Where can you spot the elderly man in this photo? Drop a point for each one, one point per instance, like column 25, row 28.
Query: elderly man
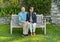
column 22, row 21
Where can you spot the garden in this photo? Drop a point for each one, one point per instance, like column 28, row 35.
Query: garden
column 9, row 7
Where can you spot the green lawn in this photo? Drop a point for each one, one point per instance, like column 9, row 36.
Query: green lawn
column 53, row 35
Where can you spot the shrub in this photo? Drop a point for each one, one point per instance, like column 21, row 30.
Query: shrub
column 41, row 6
column 9, row 7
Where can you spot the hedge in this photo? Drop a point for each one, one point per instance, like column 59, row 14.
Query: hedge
column 41, row 6
column 8, row 7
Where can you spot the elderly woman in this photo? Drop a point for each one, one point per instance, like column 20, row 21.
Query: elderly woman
column 31, row 19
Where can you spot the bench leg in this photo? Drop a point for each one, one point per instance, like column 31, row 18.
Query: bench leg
column 45, row 30
column 42, row 29
column 11, row 30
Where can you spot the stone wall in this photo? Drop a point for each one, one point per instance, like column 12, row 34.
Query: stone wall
column 55, row 13
column 4, row 20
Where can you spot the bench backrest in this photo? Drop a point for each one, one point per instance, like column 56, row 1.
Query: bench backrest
column 39, row 19
column 15, row 21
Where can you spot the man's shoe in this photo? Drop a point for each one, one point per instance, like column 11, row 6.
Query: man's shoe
column 25, row 35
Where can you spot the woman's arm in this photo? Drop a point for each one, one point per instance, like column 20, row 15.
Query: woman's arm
column 35, row 18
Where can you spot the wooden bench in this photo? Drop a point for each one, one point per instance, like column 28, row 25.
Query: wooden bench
column 41, row 22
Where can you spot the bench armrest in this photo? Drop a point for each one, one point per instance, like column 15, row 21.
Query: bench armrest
column 44, row 21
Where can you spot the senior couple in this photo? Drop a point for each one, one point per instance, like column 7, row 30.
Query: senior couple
column 28, row 21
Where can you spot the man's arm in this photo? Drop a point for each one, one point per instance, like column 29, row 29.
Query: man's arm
column 20, row 17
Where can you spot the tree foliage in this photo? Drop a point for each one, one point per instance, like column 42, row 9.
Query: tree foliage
column 41, row 6
column 8, row 7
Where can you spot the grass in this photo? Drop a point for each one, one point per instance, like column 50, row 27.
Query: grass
column 53, row 35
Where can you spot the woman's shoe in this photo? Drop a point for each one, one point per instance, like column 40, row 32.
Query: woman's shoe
column 31, row 34
column 34, row 33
